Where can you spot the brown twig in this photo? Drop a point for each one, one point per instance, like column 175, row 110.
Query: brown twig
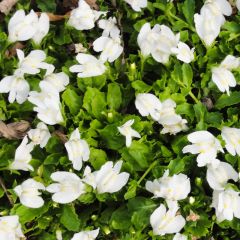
column 6, row 192
column 15, row 130
column 61, row 136
column 54, row 18
column 6, row 6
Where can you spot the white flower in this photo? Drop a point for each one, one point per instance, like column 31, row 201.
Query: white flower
column 218, row 177
column 206, row 145
column 42, row 28
column 86, row 235
column 17, row 87
column 28, row 193
column 110, row 48
column 230, row 62
column 175, row 128
column 223, row 78
column 78, row 150
column 10, row 228
column 23, row 156
column 166, row 42
column 179, row 236
column 127, row 131
column 184, row 53
column 89, row 177
column 176, row 187
column 167, row 114
column 83, row 17
column 109, row 27
column 238, row 5
column 148, row 104
column 137, row 4
column 22, row 27
column 40, row 135
column 226, row 204
column 108, row 178
column 59, row 234
column 54, row 82
column 32, row 63
column 207, row 26
column 89, row 66
column 166, row 222
column 210, row 19
column 158, row 41
column 68, row 188
column 147, row 38
column 48, row 106
column 231, row 136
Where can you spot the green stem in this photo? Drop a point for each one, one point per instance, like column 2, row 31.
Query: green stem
column 193, row 97
column 147, row 171
column 4, row 168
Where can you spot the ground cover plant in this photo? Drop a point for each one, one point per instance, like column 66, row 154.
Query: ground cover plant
column 119, row 119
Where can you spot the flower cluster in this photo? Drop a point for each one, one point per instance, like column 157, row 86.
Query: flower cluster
column 162, row 112
column 161, row 42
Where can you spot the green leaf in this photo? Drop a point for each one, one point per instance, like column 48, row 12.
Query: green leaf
column 46, row 6
column 114, row 96
column 111, row 137
column 226, row 101
column 189, row 10
column 26, row 214
column 121, row 219
column 69, row 218
column 97, row 158
column 94, row 102
column 232, row 27
column 72, row 100
column 187, row 75
column 141, row 86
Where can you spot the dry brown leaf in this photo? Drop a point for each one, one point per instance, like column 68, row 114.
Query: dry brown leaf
column 61, row 136
column 54, row 17
column 92, row 4
column 192, row 216
column 13, row 50
column 6, row 6
column 15, row 130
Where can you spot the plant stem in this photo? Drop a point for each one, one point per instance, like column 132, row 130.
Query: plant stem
column 5, row 191
column 147, row 171
column 193, row 97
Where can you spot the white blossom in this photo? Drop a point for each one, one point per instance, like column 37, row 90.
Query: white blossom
column 226, row 204
column 210, row 19
column 148, row 104
column 206, row 146
column 222, row 76
column 89, row 66
column 231, row 136
column 10, row 228
column 33, row 62
column 166, row 222
column 17, row 87
column 68, row 188
column 78, row 150
column 108, row 178
column 158, row 42
column 86, row 235
column 137, row 4
column 175, row 128
column 217, row 177
column 110, row 48
column 48, row 106
column 176, row 187
column 109, row 27
column 127, row 131
column 42, row 28
column 54, row 82
column 40, row 135
column 179, row 236
column 183, row 52
column 83, row 17
column 28, row 193
column 23, row 156
column 22, row 27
